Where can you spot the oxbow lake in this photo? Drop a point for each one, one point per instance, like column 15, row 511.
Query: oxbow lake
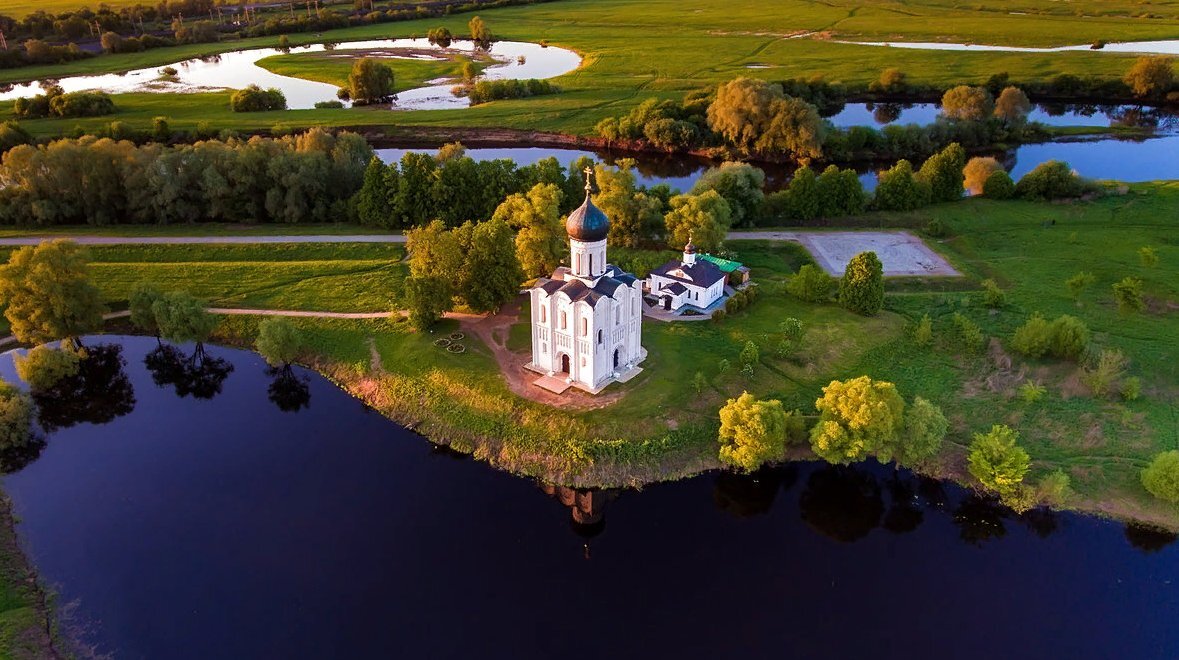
column 216, row 514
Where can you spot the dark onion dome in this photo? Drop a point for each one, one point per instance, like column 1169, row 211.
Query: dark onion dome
column 689, row 248
column 587, row 223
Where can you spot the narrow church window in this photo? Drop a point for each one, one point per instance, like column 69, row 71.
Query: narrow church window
column 599, row 337
column 584, row 327
column 542, row 314
column 578, row 262
column 564, row 319
column 591, row 262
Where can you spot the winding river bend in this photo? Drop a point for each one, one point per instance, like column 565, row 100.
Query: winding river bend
column 209, row 512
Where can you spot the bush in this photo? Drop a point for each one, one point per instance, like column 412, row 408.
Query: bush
column 1031, row 392
column 993, row 296
column 943, row 172
column 279, row 341
column 328, row 105
column 998, row 186
column 1055, row 489
column 1066, row 338
column 495, row 90
column 255, row 99
column 46, row 365
column 862, row 288
column 1106, row 372
column 970, row 334
column 977, row 171
column 16, row 417
column 1161, row 477
column 1033, row 338
column 1128, row 294
column 923, row 333
column 718, row 315
column 898, row 190
column 967, row 103
column 1051, row 179
column 997, row 461
column 55, row 103
column 1131, row 388
column 811, row 284
column 925, row 430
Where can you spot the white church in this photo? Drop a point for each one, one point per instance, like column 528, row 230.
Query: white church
column 587, row 319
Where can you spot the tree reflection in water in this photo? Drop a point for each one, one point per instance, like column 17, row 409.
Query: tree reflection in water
column 904, row 512
column 199, row 375
column 288, row 391
column 98, row 393
column 887, row 113
column 1149, row 539
column 14, row 459
column 980, row 519
column 746, row 495
column 1043, row 521
column 842, row 502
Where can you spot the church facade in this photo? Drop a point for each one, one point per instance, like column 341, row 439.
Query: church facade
column 687, row 281
column 587, row 318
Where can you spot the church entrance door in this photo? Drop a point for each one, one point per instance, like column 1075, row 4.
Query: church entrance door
column 666, row 302
column 564, row 363
column 617, row 357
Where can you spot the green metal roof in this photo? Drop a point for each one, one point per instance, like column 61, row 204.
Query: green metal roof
column 725, row 265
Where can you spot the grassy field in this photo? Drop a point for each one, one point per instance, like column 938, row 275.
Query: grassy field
column 333, row 67
column 633, row 50
column 196, row 229
column 668, row 430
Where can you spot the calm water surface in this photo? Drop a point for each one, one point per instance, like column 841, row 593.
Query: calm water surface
column 198, row 518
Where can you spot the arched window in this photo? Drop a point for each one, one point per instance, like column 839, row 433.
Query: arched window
column 543, row 315
column 584, row 327
column 564, row 320
column 599, row 337
column 591, row 263
column 577, row 263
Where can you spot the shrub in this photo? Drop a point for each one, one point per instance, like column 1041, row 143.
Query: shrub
column 1131, row 388
column 718, row 315
column 749, row 355
column 279, row 341
column 1031, row 392
column 1070, row 337
column 1128, row 294
column 1150, row 76
column 255, row 99
column 1055, row 489
column 997, row 461
column 494, row 90
column 1078, row 283
column 998, row 186
column 752, row 432
column 1161, row 477
column 16, row 417
column 1106, row 371
column 937, row 228
column 862, row 288
column 1051, row 179
column 1148, row 256
column 1034, row 338
column 923, row 333
column 898, row 190
column 976, row 172
column 925, row 430
column 993, row 296
column 699, row 382
column 811, row 284
column 328, row 105
column 943, row 172
column 970, row 334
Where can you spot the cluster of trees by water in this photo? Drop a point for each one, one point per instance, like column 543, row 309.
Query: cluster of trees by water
column 48, row 38
column 58, row 104
column 784, row 120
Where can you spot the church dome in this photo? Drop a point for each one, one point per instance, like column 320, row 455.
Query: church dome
column 587, row 223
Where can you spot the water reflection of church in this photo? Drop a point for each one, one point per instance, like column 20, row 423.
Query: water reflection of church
column 586, row 506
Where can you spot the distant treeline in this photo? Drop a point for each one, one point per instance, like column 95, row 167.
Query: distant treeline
column 46, row 38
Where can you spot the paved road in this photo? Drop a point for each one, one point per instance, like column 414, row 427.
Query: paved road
column 207, row 240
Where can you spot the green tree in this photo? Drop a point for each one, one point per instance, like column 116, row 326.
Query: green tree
column 858, row 418
column 862, row 288
column 1033, row 338
column 998, row 186
column 840, row 193
column 1150, row 76
column 428, row 298
column 540, row 236
column 892, row 80
column 434, row 251
column 480, row 33
column 811, row 284
column 182, row 318
column 141, row 301
column 977, row 170
column 279, row 341
column 943, row 172
column 752, row 432
column 749, row 355
column 46, row 365
column 491, row 274
column 699, row 382
column 48, row 294
column 740, row 184
column 1161, row 477
column 1051, row 179
column 897, row 189
column 997, row 461
column 802, row 195
column 16, row 417
column 993, row 295
column 704, row 219
column 1128, row 294
column 373, row 206
column 967, row 103
column 370, row 81
column 635, row 216
column 925, row 430
column 1013, row 105
column 923, row 333
column 792, row 332
column 758, row 118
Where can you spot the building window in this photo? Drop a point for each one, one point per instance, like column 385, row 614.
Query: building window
column 578, row 263
column 591, row 263
column 599, row 337
column 583, row 361
column 564, row 320
column 543, row 315
column 584, row 327
column 544, row 348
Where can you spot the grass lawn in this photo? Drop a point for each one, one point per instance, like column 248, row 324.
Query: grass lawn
column 333, row 67
column 201, row 229
column 633, row 51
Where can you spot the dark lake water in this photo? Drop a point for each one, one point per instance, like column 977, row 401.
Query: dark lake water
column 200, row 519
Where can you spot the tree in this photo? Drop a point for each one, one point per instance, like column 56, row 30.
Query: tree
column 491, row 273
column 279, row 341
column 898, row 190
column 999, row 186
column 141, row 301
column 967, row 103
column 1051, row 179
column 740, row 184
column 749, row 355
column 811, row 284
column 44, row 366
column 253, row 98
column 923, row 333
column 997, row 461
column 704, row 219
column 1033, row 338
column 428, row 298
column 757, row 117
column 891, row 80
column 480, row 33
column 16, row 418
column 1013, row 105
column 858, row 418
column 540, row 236
column 752, row 432
column 440, row 36
column 1077, row 284
column 111, row 42
column 1128, row 294
column 1150, row 76
column 182, row 318
column 976, row 172
column 373, row 206
column 1161, row 477
column 699, row 382
column 434, row 251
column 792, row 332
column 635, row 216
column 925, row 429
column 862, row 288
column 48, row 294
column 370, row 81
column 802, row 195
column 840, row 193
column 943, row 172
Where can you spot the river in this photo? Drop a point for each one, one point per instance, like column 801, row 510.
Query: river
column 198, row 518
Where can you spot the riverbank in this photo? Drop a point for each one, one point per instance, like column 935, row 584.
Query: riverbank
column 27, row 627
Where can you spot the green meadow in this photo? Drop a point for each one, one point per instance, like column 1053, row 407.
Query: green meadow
column 634, row 50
